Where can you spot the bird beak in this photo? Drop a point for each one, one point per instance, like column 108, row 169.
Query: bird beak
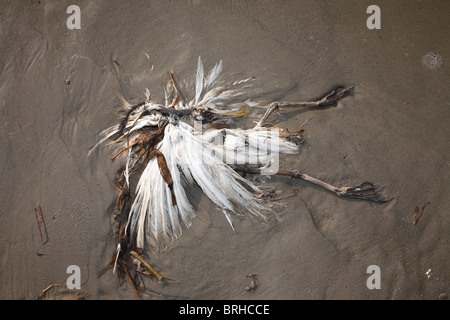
column 225, row 114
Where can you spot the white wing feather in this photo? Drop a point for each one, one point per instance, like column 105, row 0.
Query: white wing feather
column 199, row 81
column 191, row 158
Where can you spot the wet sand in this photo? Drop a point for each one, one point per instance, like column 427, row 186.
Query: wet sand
column 57, row 93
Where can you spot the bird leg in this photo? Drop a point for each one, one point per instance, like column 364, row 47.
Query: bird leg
column 363, row 191
column 177, row 93
column 332, row 98
column 174, row 87
column 124, row 149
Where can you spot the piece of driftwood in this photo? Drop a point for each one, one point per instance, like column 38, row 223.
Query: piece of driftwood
column 41, row 224
column 134, row 254
column 418, row 213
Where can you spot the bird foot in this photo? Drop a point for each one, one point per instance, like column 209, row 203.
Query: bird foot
column 293, row 136
column 363, row 191
column 335, row 95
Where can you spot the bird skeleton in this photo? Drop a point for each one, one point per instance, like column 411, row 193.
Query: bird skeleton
column 173, row 147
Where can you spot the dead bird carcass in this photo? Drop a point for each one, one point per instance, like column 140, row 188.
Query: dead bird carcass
column 173, row 146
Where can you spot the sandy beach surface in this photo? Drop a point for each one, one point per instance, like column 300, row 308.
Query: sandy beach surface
column 57, row 93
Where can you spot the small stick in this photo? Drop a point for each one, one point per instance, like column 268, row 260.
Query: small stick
column 176, row 90
column 418, row 213
column 281, row 198
column 41, row 224
column 42, row 295
column 46, row 289
column 124, row 149
column 148, row 273
column 149, row 267
column 132, row 283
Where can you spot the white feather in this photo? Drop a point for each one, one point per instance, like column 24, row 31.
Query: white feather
column 105, row 135
column 226, row 188
column 241, row 81
column 192, row 158
column 213, row 75
column 152, row 215
column 117, row 257
column 127, row 168
column 199, row 81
